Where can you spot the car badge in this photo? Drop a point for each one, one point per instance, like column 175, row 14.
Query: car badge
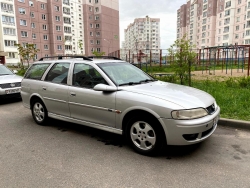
column 12, row 85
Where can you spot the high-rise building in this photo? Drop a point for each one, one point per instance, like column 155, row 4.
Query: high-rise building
column 143, row 35
column 210, row 23
column 58, row 27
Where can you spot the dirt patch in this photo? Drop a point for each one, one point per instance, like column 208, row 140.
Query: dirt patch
column 217, row 74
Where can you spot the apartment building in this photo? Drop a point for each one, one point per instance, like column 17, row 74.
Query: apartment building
column 58, row 27
column 143, row 35
column 210, row 23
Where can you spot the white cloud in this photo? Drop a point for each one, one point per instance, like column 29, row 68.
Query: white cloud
column 166, row 10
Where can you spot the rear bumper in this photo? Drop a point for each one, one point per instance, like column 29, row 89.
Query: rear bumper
column 186, row 132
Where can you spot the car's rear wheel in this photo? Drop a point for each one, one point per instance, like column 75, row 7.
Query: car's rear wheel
column 145, row 135
column 39, row 112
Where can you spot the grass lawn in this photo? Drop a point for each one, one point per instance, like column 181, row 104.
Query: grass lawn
column 231, row 94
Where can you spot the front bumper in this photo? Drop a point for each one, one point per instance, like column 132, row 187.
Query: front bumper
column 186, row 132
column 10, row 92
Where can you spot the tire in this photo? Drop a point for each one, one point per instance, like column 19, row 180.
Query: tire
column 39, row 112
column 145, row 135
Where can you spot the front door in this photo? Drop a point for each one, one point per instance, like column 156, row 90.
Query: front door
column 87, row 104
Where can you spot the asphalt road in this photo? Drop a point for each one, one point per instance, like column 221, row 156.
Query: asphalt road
column 68, row 155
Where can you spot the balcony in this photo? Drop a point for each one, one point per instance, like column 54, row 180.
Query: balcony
column 64, row 12
column 7, row 10
column 9, row 23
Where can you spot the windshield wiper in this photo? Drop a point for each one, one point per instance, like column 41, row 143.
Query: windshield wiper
column 129, row 83
column 4, row 74
column 147, row 80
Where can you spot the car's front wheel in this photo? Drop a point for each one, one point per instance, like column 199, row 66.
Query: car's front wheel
column 39, row 112
column 145, row 135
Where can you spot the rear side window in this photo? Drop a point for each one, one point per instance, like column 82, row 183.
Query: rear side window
column 58, row 73
column 36, row 71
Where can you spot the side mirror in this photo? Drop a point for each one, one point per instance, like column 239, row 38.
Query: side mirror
column 103, row 87
column 15, row 71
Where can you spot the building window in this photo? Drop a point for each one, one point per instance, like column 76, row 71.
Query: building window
column 59, row 38
column 96, row 9
column 22, row 10
column 96, row 17
column 57, row 18
column 43, row 17
column 24, row 34
column 91, row 25
column 227, row 12
column 33, row 35
column 57, row 8
column 96, row 1
column 58, row 28
column 225, row 37
column 91, row 33
column 228, row 4
column 97, row 25
column 239, row 2
column 11, row 55
column 98, row 34
column 23, row 22
column 9, row 43
column 31, row 3
column 59, row 47
column 237, row 19
column 91, row 41
column 8, row 20
column 22, row 1
column 32, row 14
column 237, row 27
column 33, row 25
column 42, row 6
column 67, row 29
column 9, row 31
column 98, row 42
column 44, row 27
column 46, row 47
column 45, row 37
column 90, row 8
column 98, row 49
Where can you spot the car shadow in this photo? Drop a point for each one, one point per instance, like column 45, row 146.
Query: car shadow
column 113, row 139
column 4, row 101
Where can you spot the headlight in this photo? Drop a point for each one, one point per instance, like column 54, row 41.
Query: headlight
column 189, row 114
column 215, row 105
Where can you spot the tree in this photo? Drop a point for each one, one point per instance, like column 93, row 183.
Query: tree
column 80, row 45
column 27, row 53
column 98, row 54
column 184, row 58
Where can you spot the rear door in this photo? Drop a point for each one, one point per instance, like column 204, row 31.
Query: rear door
column 54, row 89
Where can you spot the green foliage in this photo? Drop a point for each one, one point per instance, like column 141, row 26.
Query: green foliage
column 184, row 57
column 80, row 44
column 27, row 52
column 98, row 54
column 232, row 95
column 21, row 72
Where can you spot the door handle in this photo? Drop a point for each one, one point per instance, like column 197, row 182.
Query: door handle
column 44, row 88
column 72, row 94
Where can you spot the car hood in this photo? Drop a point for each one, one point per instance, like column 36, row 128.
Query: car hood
column 4, row 79
column 183, row 96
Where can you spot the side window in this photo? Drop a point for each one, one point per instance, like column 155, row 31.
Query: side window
column 58, row 73
column 36, row 71
column 86, row 76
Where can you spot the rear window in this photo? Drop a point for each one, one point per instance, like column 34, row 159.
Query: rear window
column 36, row 71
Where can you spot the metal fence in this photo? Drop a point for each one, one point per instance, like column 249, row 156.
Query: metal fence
column 225, row 58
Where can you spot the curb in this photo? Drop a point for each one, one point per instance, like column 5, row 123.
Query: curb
column 238, row 124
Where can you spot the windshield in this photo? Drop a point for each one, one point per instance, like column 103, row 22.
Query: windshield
column 5, row 71
column 124, row 73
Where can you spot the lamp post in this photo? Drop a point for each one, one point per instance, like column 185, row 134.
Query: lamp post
column 108, row 45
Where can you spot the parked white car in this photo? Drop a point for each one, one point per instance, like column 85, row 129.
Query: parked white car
column 115, row 96
column 10, row 84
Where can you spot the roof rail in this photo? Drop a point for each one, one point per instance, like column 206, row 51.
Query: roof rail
column 61, row 57
column 103, row 57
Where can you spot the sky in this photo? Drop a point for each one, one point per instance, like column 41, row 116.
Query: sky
column 166, row 10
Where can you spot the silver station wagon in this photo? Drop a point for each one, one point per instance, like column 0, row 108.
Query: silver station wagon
column 115, row 96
